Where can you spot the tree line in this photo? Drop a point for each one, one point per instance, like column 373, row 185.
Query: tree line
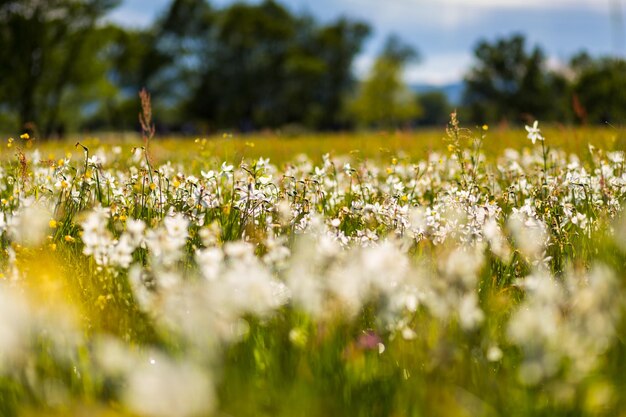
column 65, row 67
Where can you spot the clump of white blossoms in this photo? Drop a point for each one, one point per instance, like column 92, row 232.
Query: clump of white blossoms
column 100, row 243
column 166, row 242
column 573, row 321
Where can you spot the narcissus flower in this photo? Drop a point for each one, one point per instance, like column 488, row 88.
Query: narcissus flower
column 534, row 133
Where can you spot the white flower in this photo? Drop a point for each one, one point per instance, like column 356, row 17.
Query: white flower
column 470, row 314
column 30, row 224
column 534, row 133
column 208, row 174
column 122, row 253
column 210, row 262
column 161, row 387
column 135, row 231
column 494, row 354
column 176, row 226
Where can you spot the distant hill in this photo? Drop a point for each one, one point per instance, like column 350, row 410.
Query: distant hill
column 453, row 91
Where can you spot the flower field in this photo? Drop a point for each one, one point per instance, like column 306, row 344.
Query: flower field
column 469, row 277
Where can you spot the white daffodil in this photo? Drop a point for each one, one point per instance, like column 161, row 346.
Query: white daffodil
column 534, row 133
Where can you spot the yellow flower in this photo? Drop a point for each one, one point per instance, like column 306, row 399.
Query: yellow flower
column 53, row 224
column 25, row 136
column 485, row 127
column 153, row 186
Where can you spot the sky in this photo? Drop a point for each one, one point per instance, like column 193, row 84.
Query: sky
column 446, row 31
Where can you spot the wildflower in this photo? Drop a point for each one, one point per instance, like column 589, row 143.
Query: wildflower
column 210, row 262
column 207, row 175
column 534, row 133
column 494, row 354
column 226, row 167
column 121, row 252
column 135, row 230
column 28, row 225
column 61, row 184
column 160, row 387
column 408, row 334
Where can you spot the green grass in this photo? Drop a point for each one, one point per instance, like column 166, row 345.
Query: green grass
column 85, row 335
column 367, row 145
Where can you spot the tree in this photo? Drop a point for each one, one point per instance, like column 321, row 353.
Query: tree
column 180, row 45
column 245, row 66
column 337, row 44
column 45, row 47
column 598, row 89
column 383, row 99
column 508, row 82
column 435, row 107
column 265, row 67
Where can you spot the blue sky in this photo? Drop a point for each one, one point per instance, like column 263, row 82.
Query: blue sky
column 445, row 31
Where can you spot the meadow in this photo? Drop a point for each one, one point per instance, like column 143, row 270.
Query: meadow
column 452, row 272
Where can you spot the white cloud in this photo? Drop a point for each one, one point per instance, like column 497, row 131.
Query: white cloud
column 528, row 4
column 439, row 69
column 130, row 18
column 137, row 13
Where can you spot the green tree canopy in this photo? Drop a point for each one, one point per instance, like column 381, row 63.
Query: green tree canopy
column 384, row 100
column 49, row 51
column 265, row 67
column 599, row 89
column 435, row 107
column 510, row 82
